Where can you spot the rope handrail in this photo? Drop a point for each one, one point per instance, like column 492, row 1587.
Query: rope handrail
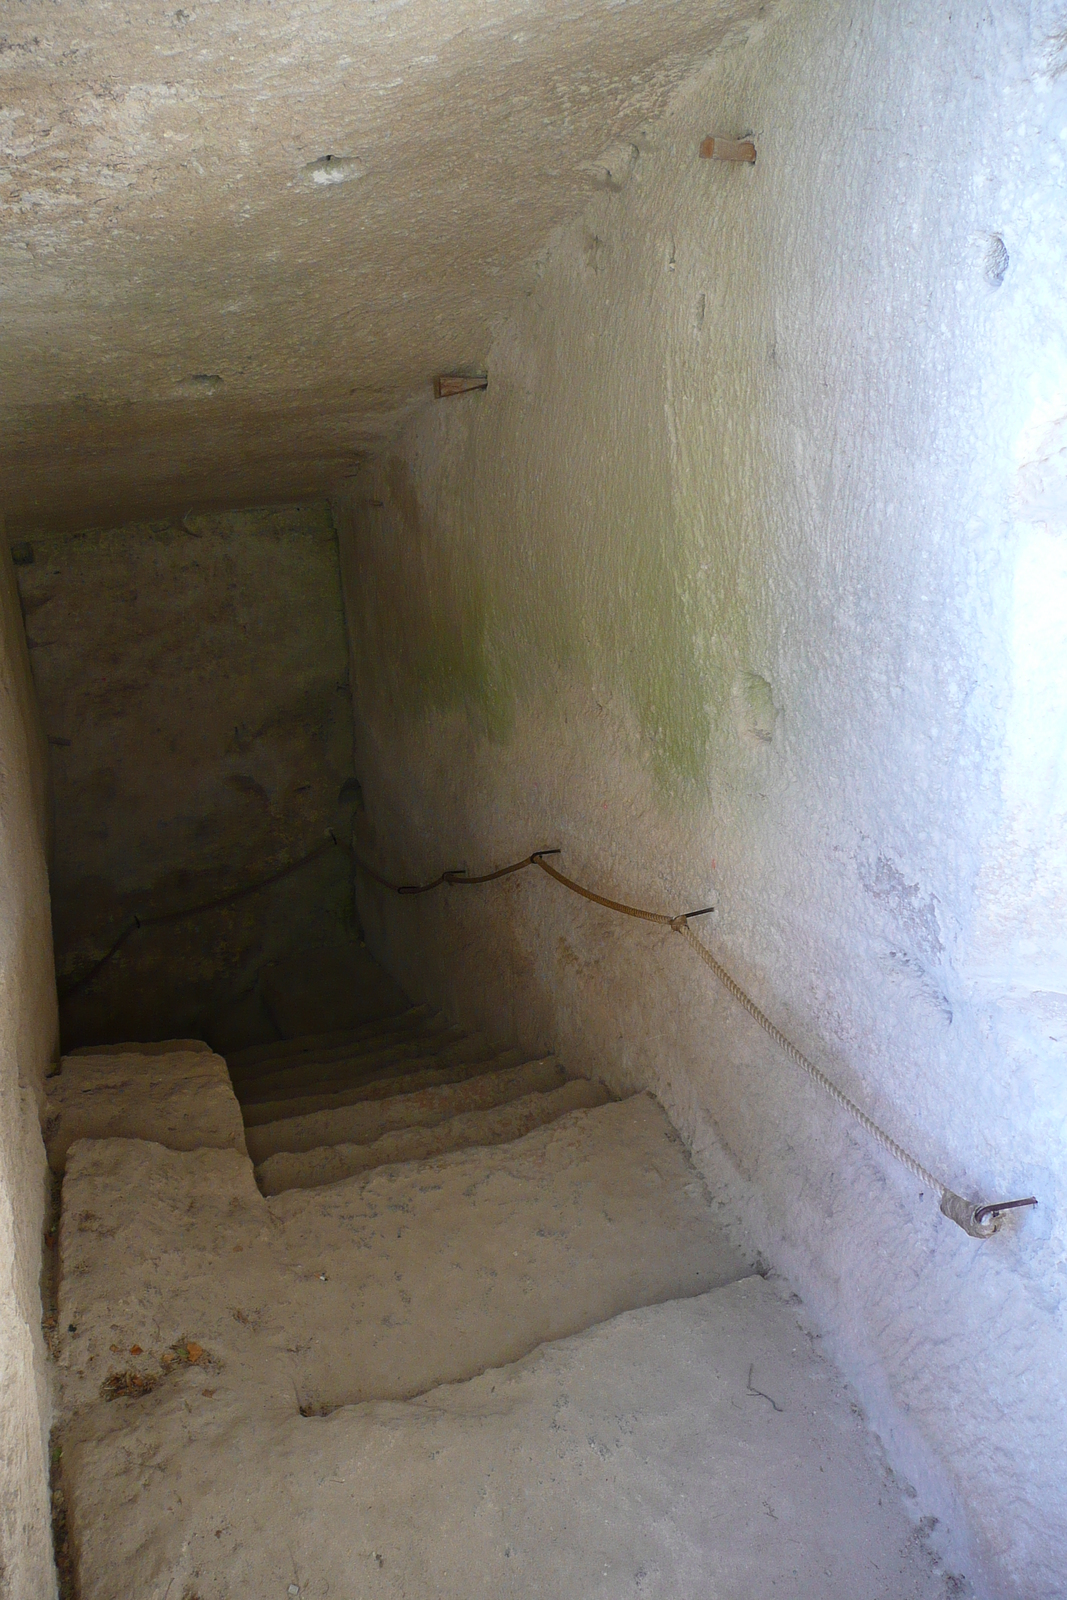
column 137, row 921
column 977, row 1218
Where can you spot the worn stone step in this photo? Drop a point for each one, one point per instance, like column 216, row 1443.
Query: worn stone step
column 397, row 1047
column 382, row 1285
column 366, row 1120
column 405, row 1082
column 318, row 1077
column 153, row 1047
column 246, row 1060
column 280, row 1049
column 428, row 1273
column 160, row 1251
column 373, row 1038
column 700, row 1447
column 499, row 1124
column 181, row 1098
column 454, row 1049
column 426, row 1036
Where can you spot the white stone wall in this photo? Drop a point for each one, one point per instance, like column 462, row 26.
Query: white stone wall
column 744, row 582
column 28, row 1040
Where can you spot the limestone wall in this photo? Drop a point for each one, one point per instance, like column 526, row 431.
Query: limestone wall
column 743, row 584
column 193, row 682
column 28, row 1042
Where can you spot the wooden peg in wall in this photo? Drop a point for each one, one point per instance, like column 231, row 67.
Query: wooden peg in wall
column 450, row 383
column 728, row 150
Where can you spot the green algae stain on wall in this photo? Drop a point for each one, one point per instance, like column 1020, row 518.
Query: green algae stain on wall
column 446, row 623
column 422, row 636
column 655, row 648
column 498, row 580
column 453, row 663
column 634, row 597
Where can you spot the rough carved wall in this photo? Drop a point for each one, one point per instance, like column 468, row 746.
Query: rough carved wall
column 731, row 586
column 238, row 242
column 194, row 686
column 28, row 1044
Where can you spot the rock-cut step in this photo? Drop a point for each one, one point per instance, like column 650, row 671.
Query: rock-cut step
column 162, row 1252
column 253, row 1071
column 429, row 1272
column 499, row 1124
column 465, row 1058
column 316, row 1074
column 363, row 1116
column 323, row 1076
column 701, row 1447
column 382, row 1285
column 531, row 1369
column 177, row 1093
column 285, row 1051
column 400, row 1078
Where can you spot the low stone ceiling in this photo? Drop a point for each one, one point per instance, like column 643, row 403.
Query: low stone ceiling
column 197, row 308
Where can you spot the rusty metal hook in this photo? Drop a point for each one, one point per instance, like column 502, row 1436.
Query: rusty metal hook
column 993, row 1208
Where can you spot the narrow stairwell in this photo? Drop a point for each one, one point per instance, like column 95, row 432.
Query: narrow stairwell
column 394, row 1313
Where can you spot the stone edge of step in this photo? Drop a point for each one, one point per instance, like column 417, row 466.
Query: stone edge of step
column 279, row 1049
column 383, row 1086
column 489, row 1071
column 449, row 1127
column 144, row 1047
column 318, row 1069
column 781, row 1296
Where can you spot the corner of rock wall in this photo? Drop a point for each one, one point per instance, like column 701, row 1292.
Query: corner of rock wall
column 28, row 1042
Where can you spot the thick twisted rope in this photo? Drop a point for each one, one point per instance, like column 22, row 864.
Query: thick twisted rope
column 800, row 1060
column 974, row 1218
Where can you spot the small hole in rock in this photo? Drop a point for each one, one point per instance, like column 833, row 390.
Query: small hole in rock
column 333, row 169
column 997, row 261
column 200, row 385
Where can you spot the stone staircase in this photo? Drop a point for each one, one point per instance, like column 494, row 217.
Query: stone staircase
column 316, row 1111
column 392, row 1313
